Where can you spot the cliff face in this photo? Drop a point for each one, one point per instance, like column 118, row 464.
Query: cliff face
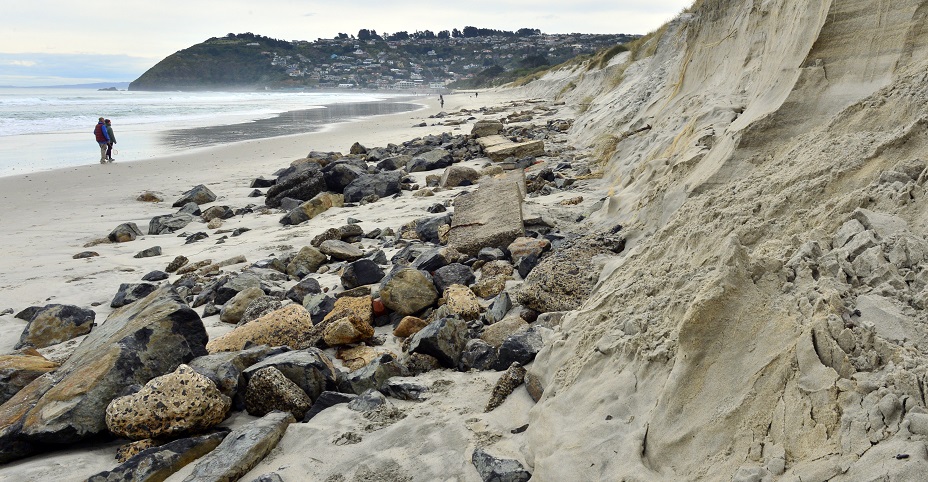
column 767, row 162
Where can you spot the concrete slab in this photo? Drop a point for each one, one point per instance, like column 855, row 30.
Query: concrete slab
column 491, row 216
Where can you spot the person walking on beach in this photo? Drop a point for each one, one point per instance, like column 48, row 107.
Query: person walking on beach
column 103, row 139
column 441, row 100
column 112, row 140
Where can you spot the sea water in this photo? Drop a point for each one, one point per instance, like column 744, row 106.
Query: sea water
column 49, row 128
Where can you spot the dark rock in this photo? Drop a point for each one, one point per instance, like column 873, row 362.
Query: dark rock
column 478, row 355
column 242, row 449
column 403, row 389
column 435, row 258
column 239, row 232
column 498, row 309
column 289, row 204
column 256, row 193
column 507, row 383
column 195, row 237
column 269, row 390
column 526, row 264
column 443, row 339
column 53, row 324
column 368, row 401
column 220, row 212
column 177, row 264
column 528, row 314
column 394, row 163
column 302, row 182
column 519, row 347
column 17, row 371
column 160, row 462
column 156, row 276
column 357, row 149
column 225, row 370
column 492, row 469
column 169, row 223
column 377, row 256
column 453, row 274
column 427, row 228
column 326, row 400
column 85, row 255
column 131, row 292
column 437, row 208
column 149, row 253
column 190, row 208
column 200, row 194
column 27, row 313
column 306, row 262
column 361, row 272
column 374, row 374
column 429, row 161
column 491, row 254
column 124, row 232
column 311, row 370
column 408, row 291
column 356, row 292
column 210, row 309
column 319, row 305
column 272, row 477
column 262, row 183
column 381, row 185
column 306, row 286
column 339, row 175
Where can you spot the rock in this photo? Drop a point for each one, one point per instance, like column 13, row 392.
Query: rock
column 478, row 355
column 359, row 307
column 492, row 469
column 160, row 462
column 408, row 326
column 491, row 216
column 357, row 148
column 453, row 274
column 319, row 204
column 319, row 306
column 307, row 261
column 195, row 237
column 200, row 194
column 217, row 212
column 403, row 388
column 429, row 161
column 53, row 324
column 533, row 386
column 233, row 309
column 339, row 175
column 368, row 401
column 408, row 291
column 496, row 268
column 460, row 301
column 17, row 371
column 302, row 182
column 85, row 255
column 125, row 232
column 497, row 333
column 190, row 208
column 290, row 325
column 149, row 197
column 182, row 402
column 498, row 148
column 428, row 229
column 375, row 374
column 226, row 370
column 360, row 273
column 356, row 357
column 131, row 292
column 262, row 183
column 347, row 330
column 272, row 477
column 526, row 264
column 178, row 263
column 136, row 343
column 311, row 369
column 155, row 275
column 149, row 253
column 443, row 339
column 507, row 383
column 210, row 309
column 524, row 246
column 259, row 307
column 490, row 287
column 381, row 185
column 242, row 449
column 393, row 163
column 519, row 347
column 131, row 449
column 341, row 250
column 486, row 127
column 169, row 223
column 435, row 258
column 269, row 390
column 491, row 254
column 326, row 400
column 563, row 279
column 306, row 286
column 498, row 309
column 455, row 176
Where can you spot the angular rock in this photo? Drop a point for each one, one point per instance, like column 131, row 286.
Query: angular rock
column 347, row 330
column 478, row 355
column 200, row 194
column 435, row 258
column 403, row 389
column 339, row 175
column 269, row 390
column 460, row 301
column 491, row 254
column 178, row 263
column 429, row 161
column 259, row 307
column 360, row 273
column 179, row 403
column 375, row 374
column 453, row 274
column 149, row 197
column 507, row 383
column 17, row 371
column 497, row 333
column 341, row 250
column 492, row 469
column 85, row 255
column 307, row 261
column 124, row 232
column 491, row 216
column 290, row 326
column 302, row 182
column 498, row 309
column 359, row 307
column 408, row 291
column 136, row 343
column 312, row 370
column 131, row 292
column 217, row 212
column 233, row 310
column 149, row 253
column 489, row 287
column 155, row 275
column 520, row 347
column 262, row 183
column 408, row 326
column 226, row 369
column 53, row 324
column 169, row 223
column 524, row 246
column 190, row 208
column 306, row 286
column 486, row 127
column 242, row 449
column 326, row 400
column 455, row 176
column 492, row 269
column 563, row 279
column 443, row 339
column 429, row 229
column 319, row 204
column 381, row 185
column 498, row 148
column 158, row 463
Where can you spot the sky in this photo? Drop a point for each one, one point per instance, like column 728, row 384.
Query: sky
column 57, row 42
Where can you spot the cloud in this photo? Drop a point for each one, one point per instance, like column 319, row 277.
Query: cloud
column 23, row 63
column 32, row 69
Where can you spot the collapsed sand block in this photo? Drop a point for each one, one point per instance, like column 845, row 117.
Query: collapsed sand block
column 491, row 216
column 498, row 148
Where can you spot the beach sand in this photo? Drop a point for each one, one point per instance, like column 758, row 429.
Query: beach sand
column 48, row 217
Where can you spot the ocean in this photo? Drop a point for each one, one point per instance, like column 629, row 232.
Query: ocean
column 50, row 128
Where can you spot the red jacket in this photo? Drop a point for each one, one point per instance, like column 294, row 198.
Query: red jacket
column 100, row 133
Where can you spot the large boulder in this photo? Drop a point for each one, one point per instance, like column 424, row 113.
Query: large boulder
column 242, row 449
column 54, row 324
column 319, row 204
column 491, row 216
column 455, row 176
column 408, row 291
column 136, row 343
column 169, row 223
column 381, row 185
column 129, row 293
column 443, row 339
column 289, row 326
column 499, row 148
column 563, row 279
column 307, row 261
column 302, row 181
column 312, row 370
column 156, row 464
column 431, row 160
column 360, row 273
column 125, row 232
column 269, row 390
column 200, row 194
column 486, row 127
column 233, row 310
column 17, row 371
column 179, row 403
column 340, row 174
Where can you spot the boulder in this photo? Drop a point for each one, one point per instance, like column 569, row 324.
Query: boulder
column 341, row 250
column 507, row 383
column 53, row 324
column 435, row 258
column 403, row 388
column 478, row 355
column 524, row 246
column 290, row 325
column 306, row 286
column 428, row 229
column 259, row 307
column 217, row 212
column 157, row 463
column 491, row 254
column 233, row 309
column 453, row 274
column 381, row 185
column 408, row 326
column 307, row 261
column 340, row 174
column 360, row 273
column 311, row 369
column 498, row 148
column 269, row 390
column 493, row 469
column 491, row 216
column 262, row 183
column 408, row 291
column 368, row 401
column 148, row 253
column 493, row 269
column 497, row 333
column 520, row 347
column 136, row 343
column 498, row 309
column 178, row 263
column 302, row 181
column 489, row 287
column 461, row 302
column 327, row 400
column 359, row 306
column 563, row 279
column 191, row 208
column 131, row 292
column 443, row 339
column 394, row 163
column 155, row 275
column 319, row 204
column 225, row 369
column 455, row 176
column 182, row 402
column 200, row 194
column 431, row 160
column 17, row 371
column 374, row 374
column 169, row 223
column 242, row 449
column 486, row 127
column 347, row 330
column 125, row 232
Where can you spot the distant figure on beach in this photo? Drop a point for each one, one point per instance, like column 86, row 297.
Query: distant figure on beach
column 441, row 100
column 103, row 139
column 476, row 94
column 112, row 140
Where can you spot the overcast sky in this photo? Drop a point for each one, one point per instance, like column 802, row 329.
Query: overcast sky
column 50, row 42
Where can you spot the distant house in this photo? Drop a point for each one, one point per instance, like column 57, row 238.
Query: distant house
column 253, row 44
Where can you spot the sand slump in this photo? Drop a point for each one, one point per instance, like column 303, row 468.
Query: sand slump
column 770, row 318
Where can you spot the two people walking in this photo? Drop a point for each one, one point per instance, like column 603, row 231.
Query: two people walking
column 103, row 132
